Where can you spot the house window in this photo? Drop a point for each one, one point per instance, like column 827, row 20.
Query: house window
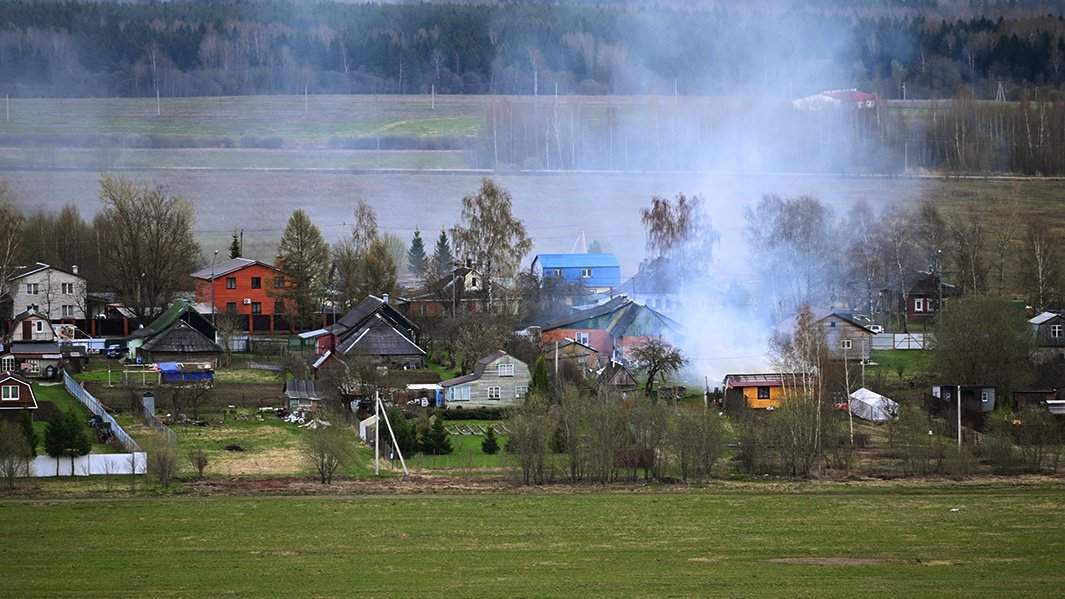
column 256, row 282
column 40, row 326
column 279, row 306
column 505, row 370
column 846, row 344
column 459, row 393
column 68, row 288
column 231, row 282
column 473, row 283
column 68, row 311
column 32, row 288
column 586, row 273
column 256, row 308
column 1055, row 331
column 231, row 307
column 985, row 396
column 581, row 337
column 520, row 391
column 279, row 282
column 918, row 304
column 763, row 393
column 32, row 367
column 558, row 273
column 9, row 393
column 7, row 363
column 495, row 392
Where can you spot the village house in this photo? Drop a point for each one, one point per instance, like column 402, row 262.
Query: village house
column 159, row 345
column 372, row 329
column 611, row 328
column 463, row 291
column 922, row 299
column 16, row 398
column 54, row 292
column 595, row 273
column 845, row 337
column 761, row 391
column 35, row 359
column 243, row 286
column 568, row 351
column 1048, row 330
column 32, row 326
column 498, row 380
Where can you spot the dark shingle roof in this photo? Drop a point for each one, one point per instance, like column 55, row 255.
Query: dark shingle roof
column 229, row 266
column 378, row 337
column 594, row 312
column 478, row 369
column 181, row 338
column 34, row 347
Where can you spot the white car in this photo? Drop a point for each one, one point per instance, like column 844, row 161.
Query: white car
column 876, row 329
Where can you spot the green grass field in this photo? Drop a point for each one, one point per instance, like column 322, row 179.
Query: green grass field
column 822, row 542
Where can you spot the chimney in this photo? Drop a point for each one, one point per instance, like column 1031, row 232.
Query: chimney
column 74, row 269
column 384, row 298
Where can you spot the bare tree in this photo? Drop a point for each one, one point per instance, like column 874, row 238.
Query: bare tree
column 15, row 454
column 1039, row 272
column 327, row 449
column 198, row 459
column 490, row 234
column 162, row 463
column 228, row 326
column 148, row 243
column 10, row 237
column 363, row 263
column 530, row 427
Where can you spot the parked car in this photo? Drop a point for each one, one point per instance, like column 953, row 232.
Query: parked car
column 115, row 352
column 875, row 328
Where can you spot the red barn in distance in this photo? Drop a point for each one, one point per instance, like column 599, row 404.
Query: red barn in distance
column 243, row 286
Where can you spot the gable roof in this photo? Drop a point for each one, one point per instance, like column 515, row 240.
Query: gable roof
column 620, row 315
column 576, row 261
column 848, row 318
column 229, row 266
column 603, row 309
column 30, row 314
column 768, row 379
column 181, row 338
column 301, row 389
column 1043, row 318
column 24, row 403
column 478, row 369
column 35, row 348
column 176, row 312
column 369, row 306
column 378, row 337
column 615, row 374
column 652, row 278
column 923, row 283
column 25, row 271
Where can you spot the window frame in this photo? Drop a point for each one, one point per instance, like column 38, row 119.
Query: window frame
column 7, row 363
column 279, row 282
column 231, row 282
column 846, row 344
column 4, row 395
column 918, row 304
column 231, row 307
column 33, row 289
column 505, row 369
column 581, row 337
column 520, row 391
column 256, row 282
column 39, row 326
column 498, row 392
column 759, row 395
column 586, row 273
column 256, row 307
column 1055, row 331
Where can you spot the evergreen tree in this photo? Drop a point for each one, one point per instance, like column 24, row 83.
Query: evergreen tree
column 437, row 441
column 490, row 444
column 55, row 438
column 442, row 256
column 540, row 382
column 417, row 260
column 406, row 435
column 77, row 442
column 305, row 257
column 234, row 246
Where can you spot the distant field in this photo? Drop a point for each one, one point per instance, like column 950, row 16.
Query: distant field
column 556, row 208
column 822, row 542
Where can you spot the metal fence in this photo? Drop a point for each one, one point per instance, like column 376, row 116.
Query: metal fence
column 98, row 409
column 902, row 341
column 157, row 425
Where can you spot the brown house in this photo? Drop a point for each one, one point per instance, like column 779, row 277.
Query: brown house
column 16, row 397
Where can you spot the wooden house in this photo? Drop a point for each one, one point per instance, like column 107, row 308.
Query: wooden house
column 16, row 398
column 372, row 329
column 925, row 290
column 1048, row 329
column 571, row 352
column 616, row 377
column 761, row 391
column 32, row 326
column 34, row 359
column 198, row 347
column 180, row 342
column 611, row 328
column 846, row 338
column 498, row 380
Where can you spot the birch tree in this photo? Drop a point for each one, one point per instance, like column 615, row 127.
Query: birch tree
column 1040, row 272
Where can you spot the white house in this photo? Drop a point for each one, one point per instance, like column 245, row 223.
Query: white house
column 498, row 380
column 51, row 291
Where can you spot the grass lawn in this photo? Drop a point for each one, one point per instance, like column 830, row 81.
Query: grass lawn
column 826, row 541
column 65, row 403
column 913, row 363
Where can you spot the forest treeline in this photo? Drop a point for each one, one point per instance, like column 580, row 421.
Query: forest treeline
column 228, row 47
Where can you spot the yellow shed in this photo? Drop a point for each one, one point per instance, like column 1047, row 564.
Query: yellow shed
column 761, row 391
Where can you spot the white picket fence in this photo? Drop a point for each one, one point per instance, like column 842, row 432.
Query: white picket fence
column 890, row 341
column 94, row 464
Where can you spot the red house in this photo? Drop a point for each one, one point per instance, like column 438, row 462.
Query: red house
column 16, row 397
column 611, row 328
column 243, row 286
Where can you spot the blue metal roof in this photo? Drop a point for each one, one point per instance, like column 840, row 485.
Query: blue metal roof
column 577, row 260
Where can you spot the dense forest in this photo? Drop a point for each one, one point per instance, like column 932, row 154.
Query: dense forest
column 896, row 48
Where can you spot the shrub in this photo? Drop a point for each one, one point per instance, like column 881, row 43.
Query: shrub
column 15, row 454
column 199, row 461
column 162, row 463
column 326, row 449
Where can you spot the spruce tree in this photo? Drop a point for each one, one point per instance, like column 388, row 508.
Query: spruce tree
column 540, row 382
column 234, row 246
column 437, row 440
column 489, row 444
column 417, row 261
column 442, row 256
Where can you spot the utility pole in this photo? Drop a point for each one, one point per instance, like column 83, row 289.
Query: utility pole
column 959, row 418
column 213, row 258
column 306, row 89
column 7, row 107
column 376, row 435
column 847, row 382
column 395, row 446
column 432, row 93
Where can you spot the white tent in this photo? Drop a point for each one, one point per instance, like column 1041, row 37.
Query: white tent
column 869, row 405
